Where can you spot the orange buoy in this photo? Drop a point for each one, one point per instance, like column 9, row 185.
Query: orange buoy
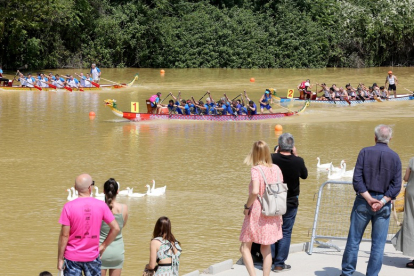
column 278, row 128
column 162, row 71
column 252, row 80
column 92, row 114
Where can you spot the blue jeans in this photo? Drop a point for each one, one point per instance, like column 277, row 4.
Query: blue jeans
column 361, row 215
column 282, row 246
column 92, row 268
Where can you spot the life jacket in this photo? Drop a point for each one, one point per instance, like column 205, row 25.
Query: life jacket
column 153, row 98
column 302, row 85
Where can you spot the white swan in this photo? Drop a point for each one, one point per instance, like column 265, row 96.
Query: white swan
column 335, row 175
column 322, row 166
column 124, row 192
column 346, row 173
column 157, row 190
column 131, row 194
column 337, row 169
column 100, row 196
column 74, row 193
column 155, row 193
column 70, row 197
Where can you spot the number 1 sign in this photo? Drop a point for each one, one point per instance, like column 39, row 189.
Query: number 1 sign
column 134, row 107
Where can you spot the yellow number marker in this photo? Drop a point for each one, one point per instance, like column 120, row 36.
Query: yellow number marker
column 135, row 107
column 290, row 93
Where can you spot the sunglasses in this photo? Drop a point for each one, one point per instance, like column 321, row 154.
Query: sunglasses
column 93, row 183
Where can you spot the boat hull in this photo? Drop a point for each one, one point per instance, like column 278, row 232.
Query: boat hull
column 17, row 88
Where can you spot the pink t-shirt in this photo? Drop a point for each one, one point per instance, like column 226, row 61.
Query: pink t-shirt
column 84, row 215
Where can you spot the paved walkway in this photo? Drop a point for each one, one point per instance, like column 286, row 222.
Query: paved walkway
column 327, row 262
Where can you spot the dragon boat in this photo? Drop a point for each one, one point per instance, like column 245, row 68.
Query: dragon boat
column 151, row 116
column 403, row 97
column 101, row 87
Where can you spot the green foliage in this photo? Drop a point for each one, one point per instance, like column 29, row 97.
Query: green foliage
column 206, row 33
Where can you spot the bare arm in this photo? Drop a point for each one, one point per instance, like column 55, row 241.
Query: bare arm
column 252, row 196
column 63, row 241
column 125, row 215
column 396, row 80
column 113, row 232
column 261, row 99
column 153, row 254
column 407, row 174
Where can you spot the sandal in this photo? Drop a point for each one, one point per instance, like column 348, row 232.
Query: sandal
column 410, row 264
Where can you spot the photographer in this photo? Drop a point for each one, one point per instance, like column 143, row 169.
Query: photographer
column 292, row 167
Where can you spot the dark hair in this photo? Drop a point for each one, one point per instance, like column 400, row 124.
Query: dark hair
column 110, row 190
column 159, row 94
column 45, row 273
column 171, row 101
column 332, row 89
column 200, row 102
column 163, row 229
column 183, row 101
column 382, row 87
column 251, row 102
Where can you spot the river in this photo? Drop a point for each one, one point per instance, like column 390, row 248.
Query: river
column 47, row 139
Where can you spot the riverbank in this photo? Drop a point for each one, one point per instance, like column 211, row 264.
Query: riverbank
column 323, row 262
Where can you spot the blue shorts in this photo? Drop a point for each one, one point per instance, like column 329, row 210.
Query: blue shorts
column 265, row 106
column 92, row 268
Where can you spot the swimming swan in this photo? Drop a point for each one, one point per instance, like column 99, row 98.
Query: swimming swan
column 157, row 190
column 322, row 166
column 153, row 193
column 131, row 194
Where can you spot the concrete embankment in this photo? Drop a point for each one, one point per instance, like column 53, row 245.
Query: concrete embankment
column 323, row 262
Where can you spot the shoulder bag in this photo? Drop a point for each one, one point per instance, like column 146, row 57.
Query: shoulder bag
column 274, row 197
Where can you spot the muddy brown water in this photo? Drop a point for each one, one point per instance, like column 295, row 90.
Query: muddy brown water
column 47, row 138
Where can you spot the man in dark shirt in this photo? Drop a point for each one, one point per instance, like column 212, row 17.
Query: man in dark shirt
column 377, row 180
column 293, row 168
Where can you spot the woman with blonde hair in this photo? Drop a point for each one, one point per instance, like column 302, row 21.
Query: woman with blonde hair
column 258, row 228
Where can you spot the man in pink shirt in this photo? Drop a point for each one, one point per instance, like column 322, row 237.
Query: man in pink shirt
column 78, row 248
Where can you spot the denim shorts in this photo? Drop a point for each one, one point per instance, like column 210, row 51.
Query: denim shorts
column 92, row 268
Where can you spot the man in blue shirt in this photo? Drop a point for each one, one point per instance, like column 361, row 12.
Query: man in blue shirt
column 377, row 180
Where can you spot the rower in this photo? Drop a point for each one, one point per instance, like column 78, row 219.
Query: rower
column 59, row 81
column 384, row 93
column 21, row 79
column 30, row 81
column 82, row 79
column 51, row 77
column 95, row 73
column 222, row 106
column 211, row 105
column 350, row 91
column 72, row 82
column 251, row 107
column 266, row 101
column 237, row 108
column 326, row 96
column 229, row 105
column 43, row 80
column 177, row 103
column 88, row 80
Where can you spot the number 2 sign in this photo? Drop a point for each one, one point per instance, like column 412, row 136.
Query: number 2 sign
column 135, row 107
column 290, row 93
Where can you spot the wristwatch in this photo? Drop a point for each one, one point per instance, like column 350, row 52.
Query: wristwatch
column 245, row 207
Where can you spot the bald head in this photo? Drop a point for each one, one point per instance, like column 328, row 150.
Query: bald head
column 82, row 182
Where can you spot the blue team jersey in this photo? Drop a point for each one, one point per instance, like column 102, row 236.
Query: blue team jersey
column 179, row 111
column 224, row 112
column 255, row 110
column 187, row 109
column 239, row 107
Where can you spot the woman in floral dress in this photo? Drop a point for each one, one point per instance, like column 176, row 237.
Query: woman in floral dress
column 258, row 228
column 165, row 250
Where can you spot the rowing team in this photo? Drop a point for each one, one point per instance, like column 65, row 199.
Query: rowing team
column 349, row 93
column 225, row 106
column 56, row 81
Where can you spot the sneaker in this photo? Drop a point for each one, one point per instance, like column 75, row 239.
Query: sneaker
column 285, row 267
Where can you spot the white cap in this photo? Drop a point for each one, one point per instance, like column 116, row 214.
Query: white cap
column 307, row 84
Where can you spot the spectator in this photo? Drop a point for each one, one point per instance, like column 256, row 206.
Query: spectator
column 78, row 247
column 377, row 180
column 45, row 273
column 293, row 168
column 404, row 238
column 165, row 250
column 258, row 228
column 113, row 257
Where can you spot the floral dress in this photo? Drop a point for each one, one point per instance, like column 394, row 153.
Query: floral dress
column 165, row 252
column 257, row 227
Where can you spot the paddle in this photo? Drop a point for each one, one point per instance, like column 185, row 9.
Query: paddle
column 203, row 96
column 117, row 83
column 409, row 90
column 165, row 98
column 50, row 85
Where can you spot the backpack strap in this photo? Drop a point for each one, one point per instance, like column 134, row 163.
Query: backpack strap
column 263, row 175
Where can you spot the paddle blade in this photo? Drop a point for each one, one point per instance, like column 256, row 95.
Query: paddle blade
column 52, row 86
column 95, row 84
column 38, row 87
column 81, row 90
column 68, row 88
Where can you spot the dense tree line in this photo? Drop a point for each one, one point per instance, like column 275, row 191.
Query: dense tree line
column 209, row 33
